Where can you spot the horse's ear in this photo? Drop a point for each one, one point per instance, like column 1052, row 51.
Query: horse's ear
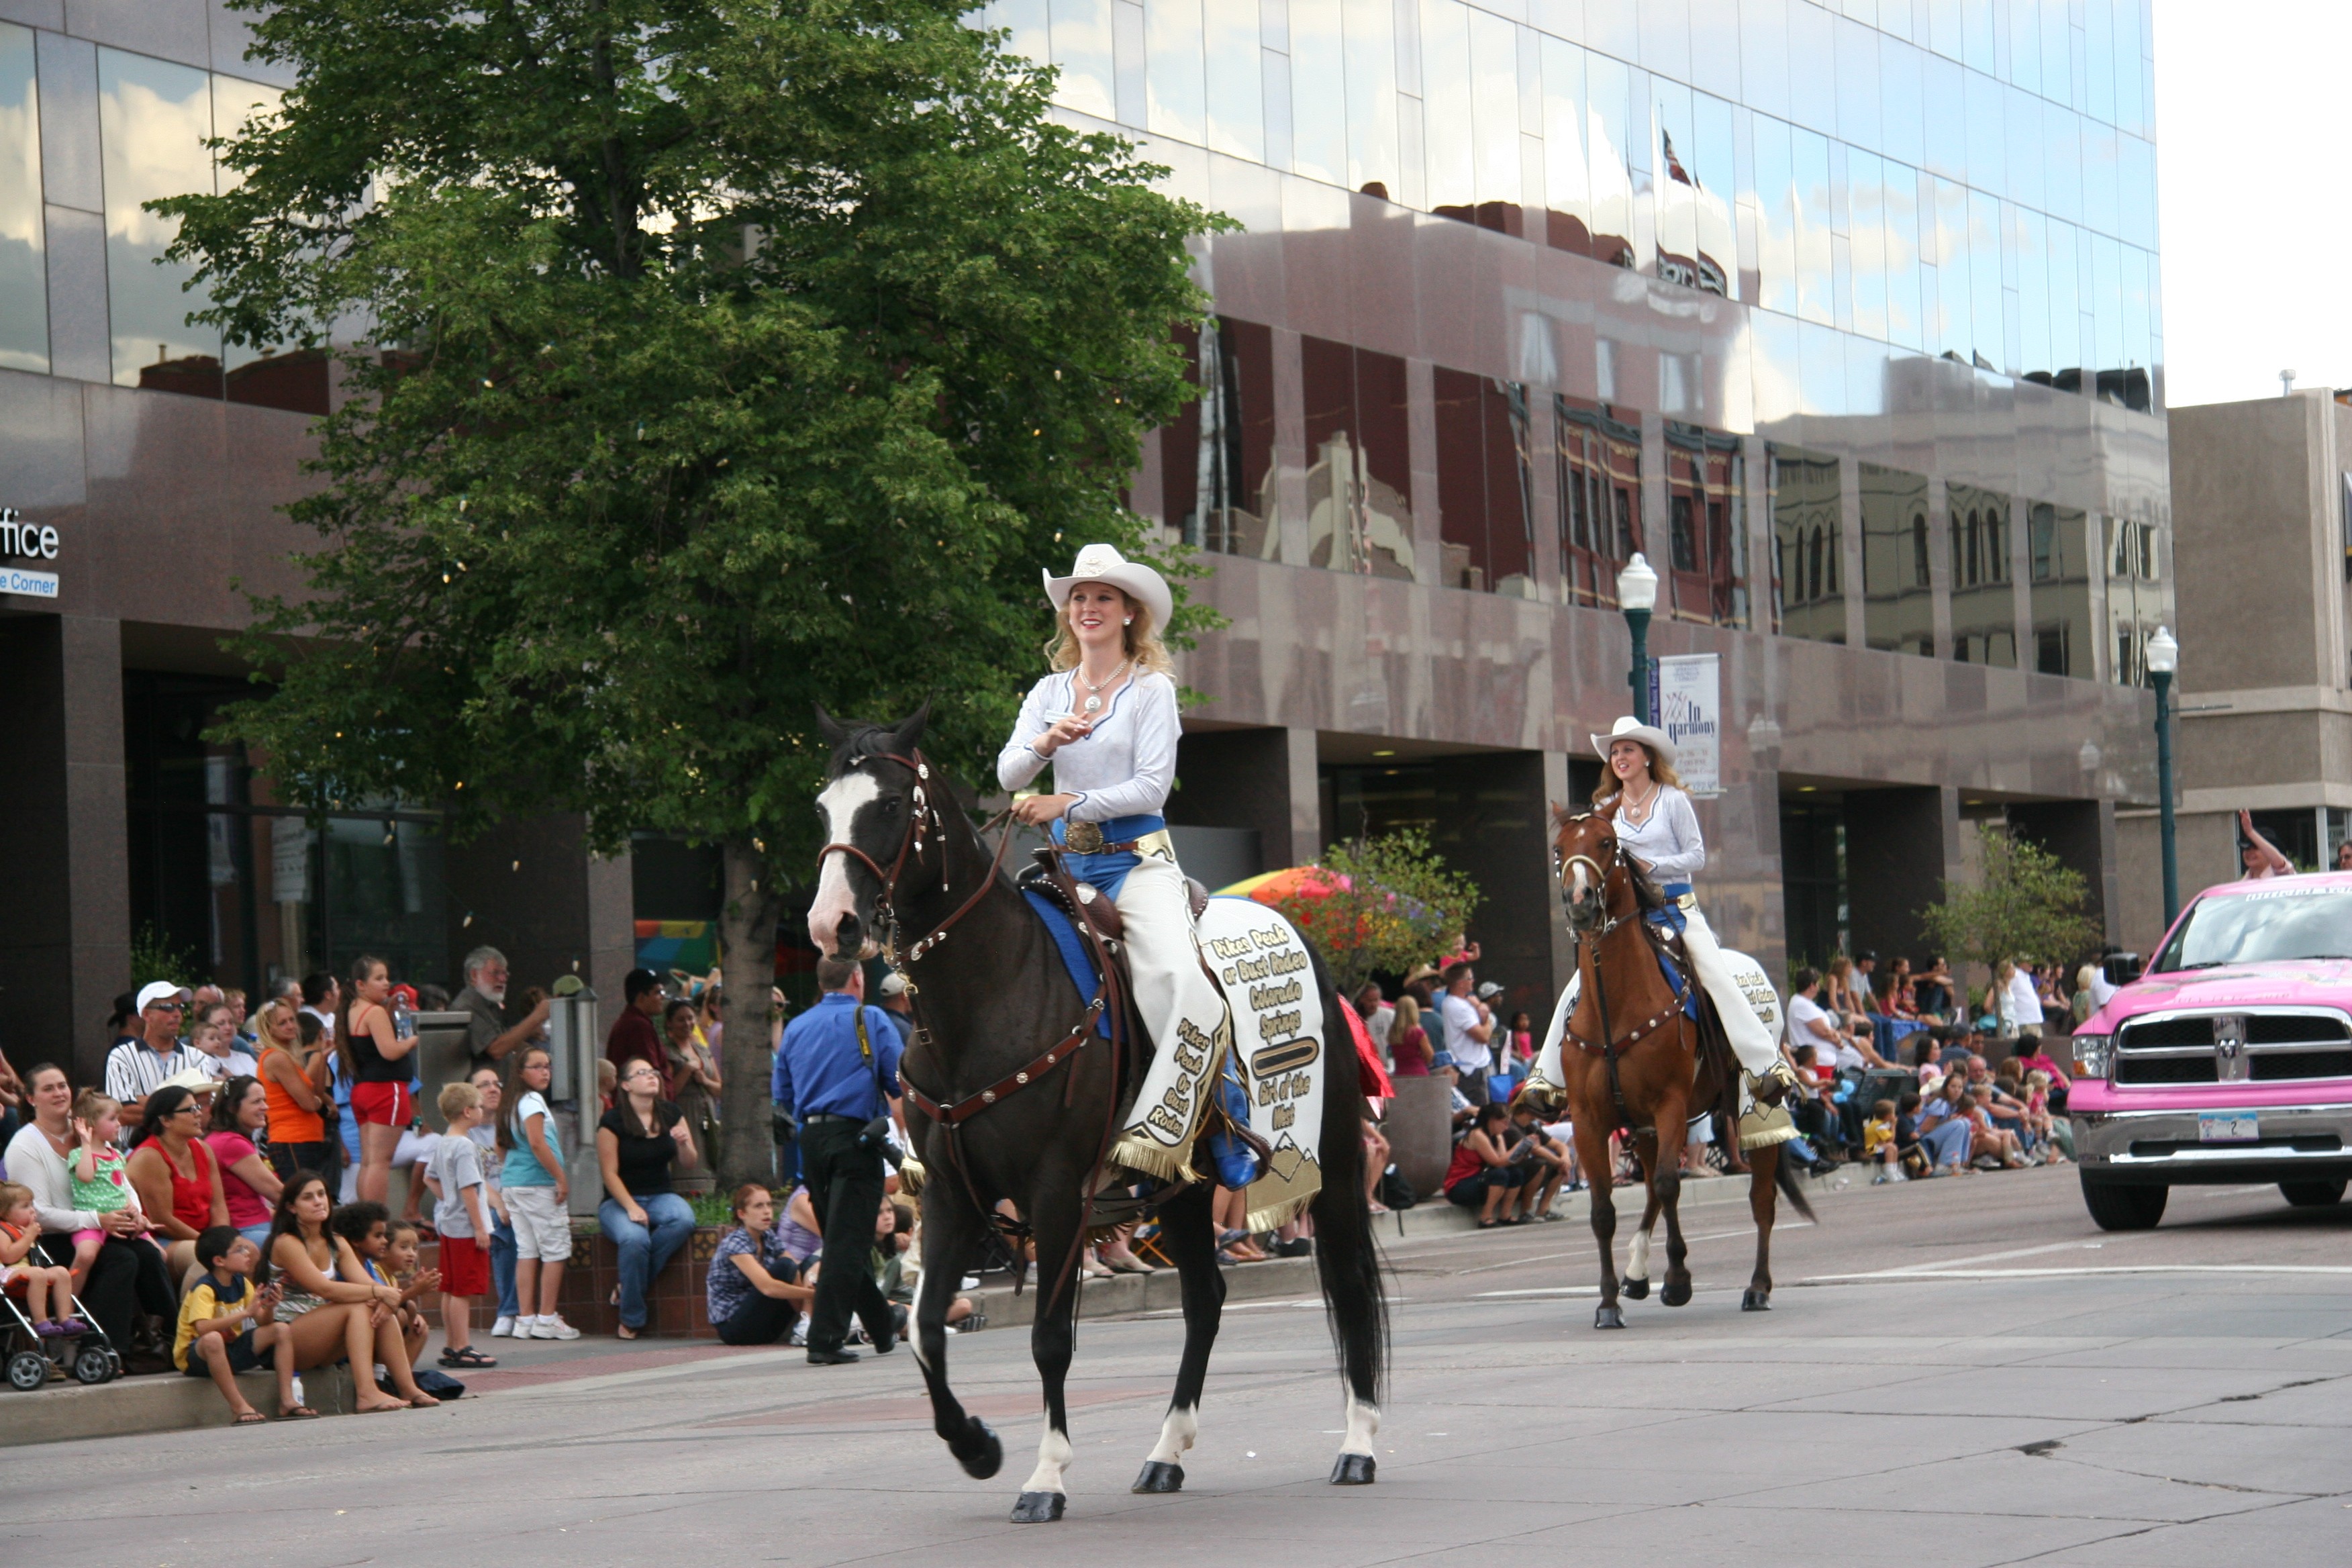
column 830, row 727
column 908, row 735
column 1560, row 814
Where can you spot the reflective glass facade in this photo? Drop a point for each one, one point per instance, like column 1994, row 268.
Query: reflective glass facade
column 1820, row 307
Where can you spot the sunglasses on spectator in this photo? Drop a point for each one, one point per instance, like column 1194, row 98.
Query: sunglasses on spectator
column 167, row 1006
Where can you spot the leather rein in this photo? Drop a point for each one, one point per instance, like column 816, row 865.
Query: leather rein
column 925, row 820
column 1611, row 1045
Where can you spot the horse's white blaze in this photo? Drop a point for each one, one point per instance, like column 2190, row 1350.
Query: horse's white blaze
column 1637, row 1256
column 1053, row 1461
column 1176, row 1435
column 1363, row 1423
column 1579, row 880
column 843, row 799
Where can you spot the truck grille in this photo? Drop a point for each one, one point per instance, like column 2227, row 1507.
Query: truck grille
column 2280, row 1045
column 2193, row 1031
column 2271, row 1066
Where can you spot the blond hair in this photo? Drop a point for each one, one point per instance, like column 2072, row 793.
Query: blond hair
column 1662, row 772
column 11, row 1194
column 456, row 1099
column 1142, row 640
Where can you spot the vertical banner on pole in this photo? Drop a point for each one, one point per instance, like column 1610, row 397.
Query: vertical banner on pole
column 1688, row 702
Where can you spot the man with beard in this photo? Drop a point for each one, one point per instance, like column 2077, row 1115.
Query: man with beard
column 484, row 1001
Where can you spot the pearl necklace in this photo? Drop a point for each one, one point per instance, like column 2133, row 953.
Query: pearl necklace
column 1093, row 704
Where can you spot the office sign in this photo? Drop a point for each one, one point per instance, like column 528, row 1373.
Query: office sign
column 26, row 548
column 1686, row 697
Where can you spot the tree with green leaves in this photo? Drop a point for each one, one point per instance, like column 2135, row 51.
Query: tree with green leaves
column 2027, row 905
column 721, row 358
column 1383, row 904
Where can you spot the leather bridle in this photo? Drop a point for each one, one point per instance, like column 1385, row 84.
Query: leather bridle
column 923, row 820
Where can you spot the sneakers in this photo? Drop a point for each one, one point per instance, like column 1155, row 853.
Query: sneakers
column 504, row 1328
column 552, row 1327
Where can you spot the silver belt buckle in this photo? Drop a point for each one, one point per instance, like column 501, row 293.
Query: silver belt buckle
column 1083, row 839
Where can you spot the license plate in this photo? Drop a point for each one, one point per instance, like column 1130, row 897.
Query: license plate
column 2227, row 1127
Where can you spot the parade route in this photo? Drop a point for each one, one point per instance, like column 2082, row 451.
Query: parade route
column 1958, row 1371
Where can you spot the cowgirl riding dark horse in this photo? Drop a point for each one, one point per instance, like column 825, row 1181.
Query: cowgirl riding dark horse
column 1014, row 1094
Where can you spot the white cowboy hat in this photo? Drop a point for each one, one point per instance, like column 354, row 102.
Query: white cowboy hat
column 1102, row 564
column 1631, row 729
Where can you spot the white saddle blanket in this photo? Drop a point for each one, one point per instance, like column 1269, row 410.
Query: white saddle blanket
column 1274, row 1035
column 1746, row 973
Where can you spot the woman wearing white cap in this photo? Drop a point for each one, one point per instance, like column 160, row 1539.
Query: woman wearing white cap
column 1657, row 829
column 1106, row 719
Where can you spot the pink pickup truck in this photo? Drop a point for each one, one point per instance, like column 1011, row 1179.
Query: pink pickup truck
column 2229, row 1060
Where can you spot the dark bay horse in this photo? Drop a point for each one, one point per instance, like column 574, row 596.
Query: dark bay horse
column 903, row 868
column 1632, row 1060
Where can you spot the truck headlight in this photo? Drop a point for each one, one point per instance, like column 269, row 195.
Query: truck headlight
column 2092, row 1055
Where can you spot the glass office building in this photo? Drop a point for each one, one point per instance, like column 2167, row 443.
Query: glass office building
column 147, row 466
column 1845, row 315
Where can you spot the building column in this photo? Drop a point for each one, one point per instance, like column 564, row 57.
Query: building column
column 1263, row 781
column 2081, row 835
column 1895, row 867
column 1491, row 818
column 64, row 929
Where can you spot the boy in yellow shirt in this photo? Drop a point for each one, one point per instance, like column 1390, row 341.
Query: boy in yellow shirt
column 225, row 1323
column 1878, row 1144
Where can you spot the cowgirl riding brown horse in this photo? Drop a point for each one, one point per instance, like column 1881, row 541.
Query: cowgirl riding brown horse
column 1645, row 1053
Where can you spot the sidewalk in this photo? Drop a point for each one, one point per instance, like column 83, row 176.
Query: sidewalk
column 172, row 1403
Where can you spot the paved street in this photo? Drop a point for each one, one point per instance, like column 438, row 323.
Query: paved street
column 1957, row 1372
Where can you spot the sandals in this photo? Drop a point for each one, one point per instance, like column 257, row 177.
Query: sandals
column 299, row 1413
column 467, row 1356
column 251, row 1418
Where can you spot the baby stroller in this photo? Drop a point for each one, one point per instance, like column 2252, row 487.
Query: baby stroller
column 89, row 1355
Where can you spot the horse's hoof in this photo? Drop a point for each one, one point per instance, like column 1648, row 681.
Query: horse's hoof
column 1677, row 1293
column 1634, row 1289
column 1609, row 1317
column 979, row 1451
column 1756, row 1300
column 1353, row 1471
column 1039, row 1508
column 1159, row 1475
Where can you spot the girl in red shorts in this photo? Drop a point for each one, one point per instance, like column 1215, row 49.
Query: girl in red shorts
column 376, row 1066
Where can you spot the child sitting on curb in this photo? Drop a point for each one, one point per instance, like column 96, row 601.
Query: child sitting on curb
column 225, row 1324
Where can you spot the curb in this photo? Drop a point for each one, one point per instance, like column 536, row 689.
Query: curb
column 164, row 1402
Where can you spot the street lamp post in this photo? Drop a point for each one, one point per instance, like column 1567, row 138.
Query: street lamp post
column 1637, row 594
column 2163, row 659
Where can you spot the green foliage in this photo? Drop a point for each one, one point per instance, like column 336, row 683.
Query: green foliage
column 707, row 400
column 2028, row 907
column 154, row 956
column 726, row 357
column 1386, row 903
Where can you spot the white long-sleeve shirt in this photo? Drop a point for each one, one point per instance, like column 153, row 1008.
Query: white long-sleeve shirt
column 1125, row 766
column 34, row 1163
column 1667, row 841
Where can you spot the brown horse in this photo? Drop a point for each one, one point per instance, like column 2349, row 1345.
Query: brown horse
column 1634, row 1059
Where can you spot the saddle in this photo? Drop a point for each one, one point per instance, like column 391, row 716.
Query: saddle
column 1085, row 902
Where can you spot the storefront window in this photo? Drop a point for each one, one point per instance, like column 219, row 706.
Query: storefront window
column 247, row 890
column 1809, row 542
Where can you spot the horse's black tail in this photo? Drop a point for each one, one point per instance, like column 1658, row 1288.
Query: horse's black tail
column 1785, row 1175
column 1346, row 1257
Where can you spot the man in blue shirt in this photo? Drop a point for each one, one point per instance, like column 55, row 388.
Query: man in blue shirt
column 827, row 1070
